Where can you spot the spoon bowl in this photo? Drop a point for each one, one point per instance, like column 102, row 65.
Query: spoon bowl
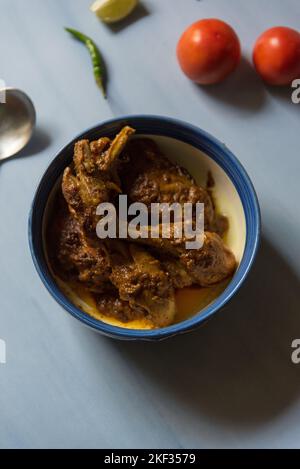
column 17, row 122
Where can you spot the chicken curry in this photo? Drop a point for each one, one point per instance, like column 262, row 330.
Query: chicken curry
column 140, row 282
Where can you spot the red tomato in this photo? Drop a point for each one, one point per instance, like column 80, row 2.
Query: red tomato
column 208, row 51
column 276, row 55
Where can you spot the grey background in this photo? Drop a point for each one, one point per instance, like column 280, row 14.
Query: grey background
column 230, row 384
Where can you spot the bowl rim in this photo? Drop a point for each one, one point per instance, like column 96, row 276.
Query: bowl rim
column 200, row 139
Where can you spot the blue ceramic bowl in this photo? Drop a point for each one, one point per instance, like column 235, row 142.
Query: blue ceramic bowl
column 199, row 152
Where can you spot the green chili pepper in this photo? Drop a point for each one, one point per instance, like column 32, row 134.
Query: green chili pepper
column 98, row 65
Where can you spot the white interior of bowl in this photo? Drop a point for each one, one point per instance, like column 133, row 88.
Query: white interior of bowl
column 225, row 196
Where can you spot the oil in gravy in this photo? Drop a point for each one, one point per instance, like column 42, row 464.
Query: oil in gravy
column 189, row 301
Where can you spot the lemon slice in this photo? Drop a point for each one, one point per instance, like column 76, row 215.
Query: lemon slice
column 111, row 11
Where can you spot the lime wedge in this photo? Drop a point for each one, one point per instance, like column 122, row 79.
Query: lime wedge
column 111, row 11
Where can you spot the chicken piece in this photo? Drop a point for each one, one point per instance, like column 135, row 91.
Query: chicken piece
column 141, row 281
column 178, row 276
column 210, row 264
column 76, row 257
column 153, row 178
column 110, row 304
column 93, row 179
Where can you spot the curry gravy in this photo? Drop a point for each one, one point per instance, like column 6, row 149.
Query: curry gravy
column 189, row 301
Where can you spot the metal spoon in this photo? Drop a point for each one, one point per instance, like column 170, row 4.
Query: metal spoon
column 17, row 121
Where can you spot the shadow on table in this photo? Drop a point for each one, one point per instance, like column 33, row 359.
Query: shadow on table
column 243, row 89
column 39, row 142
column 283, row 94
column 236, row 368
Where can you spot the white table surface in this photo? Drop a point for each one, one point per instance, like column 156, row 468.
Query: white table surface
column 231, row 384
